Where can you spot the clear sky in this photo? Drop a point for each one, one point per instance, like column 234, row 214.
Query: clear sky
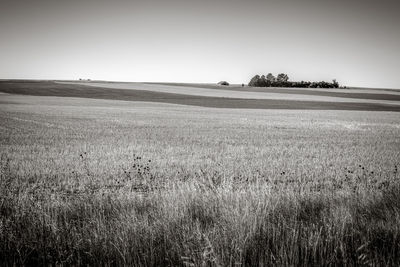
column 355, row 41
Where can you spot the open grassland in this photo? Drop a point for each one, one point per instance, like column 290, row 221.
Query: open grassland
column 362, row 93
column 206, row 97
column 105, row 182
column 252, row 93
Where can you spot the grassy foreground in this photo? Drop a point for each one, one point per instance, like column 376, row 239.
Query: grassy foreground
column 115, row 183
column 196, row 221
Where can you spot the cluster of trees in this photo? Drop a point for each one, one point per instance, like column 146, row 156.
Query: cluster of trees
column 223, row 83
column 282, row 80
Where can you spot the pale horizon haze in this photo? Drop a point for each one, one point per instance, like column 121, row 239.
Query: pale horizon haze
column 356, row 42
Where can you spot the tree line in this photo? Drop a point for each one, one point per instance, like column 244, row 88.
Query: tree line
column 282, row 80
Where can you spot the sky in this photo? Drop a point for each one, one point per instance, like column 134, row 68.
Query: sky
column 356, row 42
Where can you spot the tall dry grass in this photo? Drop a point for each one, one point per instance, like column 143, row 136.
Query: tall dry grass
column 205, row 187
column 204, row 219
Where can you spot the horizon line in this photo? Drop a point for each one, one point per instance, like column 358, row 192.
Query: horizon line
column 175, row 82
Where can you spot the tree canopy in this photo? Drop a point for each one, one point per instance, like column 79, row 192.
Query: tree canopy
column 282, row 80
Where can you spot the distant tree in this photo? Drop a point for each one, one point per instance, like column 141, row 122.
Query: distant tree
column 282, row 77
column 262, row 82
column 282, row 80
column 335, row 83
column 223, row 83
column 254, row 80
column 271, row 78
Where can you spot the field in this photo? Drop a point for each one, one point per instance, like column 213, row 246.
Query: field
column 172, row 179
column 209, row 96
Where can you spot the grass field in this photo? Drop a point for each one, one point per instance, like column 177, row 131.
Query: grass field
column 111, row 182
column 252, row 93
column 363, row 93
column 206, row 97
